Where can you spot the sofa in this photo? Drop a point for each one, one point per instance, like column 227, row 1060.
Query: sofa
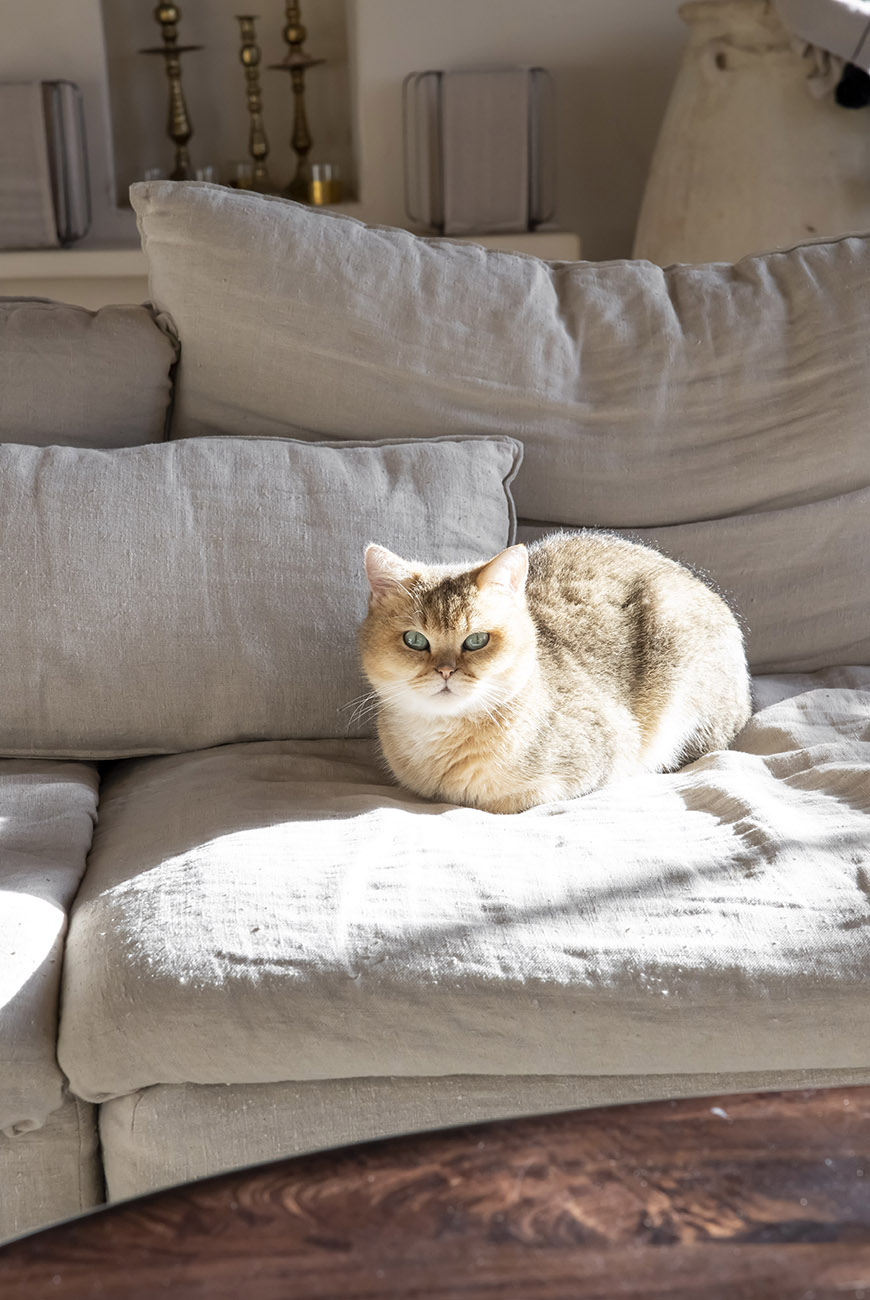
column 226, row 934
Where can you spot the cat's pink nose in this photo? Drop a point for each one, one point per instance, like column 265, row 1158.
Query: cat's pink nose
column 446, row 670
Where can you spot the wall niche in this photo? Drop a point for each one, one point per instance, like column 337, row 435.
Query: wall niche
column 214, row 89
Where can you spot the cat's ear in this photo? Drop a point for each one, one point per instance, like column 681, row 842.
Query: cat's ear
column 508, row 570
column 385, row 571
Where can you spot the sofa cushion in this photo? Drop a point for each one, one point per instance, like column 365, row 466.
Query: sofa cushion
column 734, row 397
column 176, row 1132
column 797, row 578
column 79, row 378
column 189, row 594
column 276, row 911
column 748, row 382
column 50, row 1173
column 47, row 814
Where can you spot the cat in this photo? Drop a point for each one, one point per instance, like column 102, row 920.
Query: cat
column 548, row 671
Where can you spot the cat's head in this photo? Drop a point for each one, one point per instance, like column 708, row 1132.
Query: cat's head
column 447, row 640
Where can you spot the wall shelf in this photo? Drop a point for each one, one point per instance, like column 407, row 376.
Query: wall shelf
column 107, row 262
column 90, row 277
column 551, row 245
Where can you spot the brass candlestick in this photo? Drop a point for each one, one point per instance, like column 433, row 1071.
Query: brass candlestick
column 297, row 63
column 258, row 144
column 179, row 128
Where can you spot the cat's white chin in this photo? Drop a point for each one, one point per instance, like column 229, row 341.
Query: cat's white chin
column 444, row 703
column 435, row 703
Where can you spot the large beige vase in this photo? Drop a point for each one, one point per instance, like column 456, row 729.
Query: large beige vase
column 747, row 159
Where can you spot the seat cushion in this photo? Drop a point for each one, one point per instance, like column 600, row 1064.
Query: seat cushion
column 47, row 814
column 702, row 402
column 276, row 911
column 190, row 594
column 77, row 378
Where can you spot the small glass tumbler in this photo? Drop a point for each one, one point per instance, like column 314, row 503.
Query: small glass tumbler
column 325, row 184
column 240, row 175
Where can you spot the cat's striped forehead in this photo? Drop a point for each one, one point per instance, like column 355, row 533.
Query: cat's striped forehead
column 447, row 603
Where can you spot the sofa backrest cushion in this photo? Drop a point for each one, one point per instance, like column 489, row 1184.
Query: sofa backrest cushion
column 78, row 378
column 646, row 398
column 799, row 579
column 181, row 595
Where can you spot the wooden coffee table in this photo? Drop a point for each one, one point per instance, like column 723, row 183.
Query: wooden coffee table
column 761, row 1195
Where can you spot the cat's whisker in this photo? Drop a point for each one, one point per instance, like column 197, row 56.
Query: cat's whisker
column 363, row 706
column 487, row 706
column 357, row 719
column 358, row 699
column 400, row 586
column 497, row 716
column 369, row 704
column 359, row 702
column 492, row 701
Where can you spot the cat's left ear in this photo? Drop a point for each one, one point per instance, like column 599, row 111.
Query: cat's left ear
column 385, row 571
column 508, row 570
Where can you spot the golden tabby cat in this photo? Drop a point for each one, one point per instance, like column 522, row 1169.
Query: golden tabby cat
column 548, row 671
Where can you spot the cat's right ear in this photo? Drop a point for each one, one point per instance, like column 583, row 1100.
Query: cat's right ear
column 385, row 571
column 508, row 570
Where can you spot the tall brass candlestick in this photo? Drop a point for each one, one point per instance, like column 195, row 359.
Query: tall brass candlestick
column 258, row 144
column 179, row 128
column 297, row 63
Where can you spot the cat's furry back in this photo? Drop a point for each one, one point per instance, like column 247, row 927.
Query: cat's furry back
column 600, row 658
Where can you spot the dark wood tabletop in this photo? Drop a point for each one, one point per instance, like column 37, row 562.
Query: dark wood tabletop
column 725, row 1198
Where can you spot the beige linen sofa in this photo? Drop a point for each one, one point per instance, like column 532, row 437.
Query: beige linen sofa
column 225, row 934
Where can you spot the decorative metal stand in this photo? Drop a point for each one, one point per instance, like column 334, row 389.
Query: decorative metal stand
column 179, row 128
column 297, row 63
column 258, row 144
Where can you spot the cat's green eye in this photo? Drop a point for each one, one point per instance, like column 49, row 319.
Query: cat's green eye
column 475, row 641
column 415, row 641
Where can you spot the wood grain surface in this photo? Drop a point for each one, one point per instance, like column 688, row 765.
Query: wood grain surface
column 761, row 1196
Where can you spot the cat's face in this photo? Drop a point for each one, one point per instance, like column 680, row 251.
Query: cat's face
column 445, row 641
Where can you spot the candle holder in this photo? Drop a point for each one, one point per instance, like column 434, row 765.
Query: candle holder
column 258, row 144
column 179, row 128
column 297, row 63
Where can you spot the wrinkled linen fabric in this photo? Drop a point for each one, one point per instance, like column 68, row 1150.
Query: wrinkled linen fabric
column 170, row 597
column 708, row 385
column 765, row 564
column 174, row 1132
column 47, row 815
column 77, row 378
column 278, row 911
column 52, row 1172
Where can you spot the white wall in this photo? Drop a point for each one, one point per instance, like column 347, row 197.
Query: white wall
column 613, row 65
column 63, row 39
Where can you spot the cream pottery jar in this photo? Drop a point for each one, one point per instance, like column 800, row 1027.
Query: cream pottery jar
column 747, row 159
